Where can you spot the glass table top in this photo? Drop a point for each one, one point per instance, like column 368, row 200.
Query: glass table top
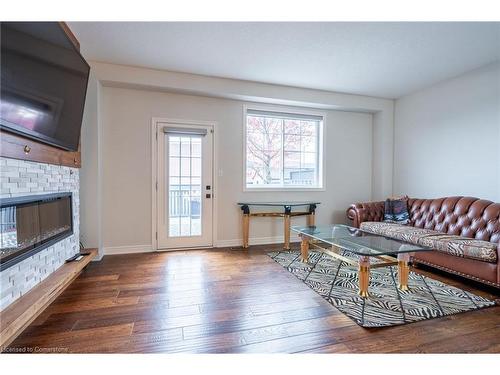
column 358, row 241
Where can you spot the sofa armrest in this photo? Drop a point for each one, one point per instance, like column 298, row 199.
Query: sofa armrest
column 369, row 211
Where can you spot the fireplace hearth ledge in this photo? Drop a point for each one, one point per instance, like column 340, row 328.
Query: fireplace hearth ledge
column 18, row 316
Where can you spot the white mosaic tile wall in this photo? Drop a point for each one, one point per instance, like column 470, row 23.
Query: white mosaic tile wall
column 20, row 178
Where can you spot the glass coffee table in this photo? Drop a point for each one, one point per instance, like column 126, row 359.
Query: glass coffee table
column 387, row 251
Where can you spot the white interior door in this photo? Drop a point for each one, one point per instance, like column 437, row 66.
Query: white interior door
column 184, row 192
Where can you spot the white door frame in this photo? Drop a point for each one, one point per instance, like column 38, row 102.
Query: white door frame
column 154, row 176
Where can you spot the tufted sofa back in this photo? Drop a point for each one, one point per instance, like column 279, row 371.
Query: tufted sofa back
column 463, row 216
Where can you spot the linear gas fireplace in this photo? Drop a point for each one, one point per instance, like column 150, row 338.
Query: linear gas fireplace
column 32, row 223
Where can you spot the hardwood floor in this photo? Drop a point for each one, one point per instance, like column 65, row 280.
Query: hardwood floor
column 223, row 300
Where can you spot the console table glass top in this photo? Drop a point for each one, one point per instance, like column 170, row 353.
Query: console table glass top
column 277, row 204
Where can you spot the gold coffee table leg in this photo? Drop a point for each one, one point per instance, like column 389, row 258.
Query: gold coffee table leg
column 364, row 276
column 304, row 249
column 403, row 271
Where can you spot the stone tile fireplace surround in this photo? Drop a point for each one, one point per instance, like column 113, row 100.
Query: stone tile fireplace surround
column 22, row 178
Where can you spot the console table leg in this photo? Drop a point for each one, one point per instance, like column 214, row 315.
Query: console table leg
column 311, row 216
column 311, row 219
column 364, row 276
column 286, row 232
column 246, row 225
column 304, row 249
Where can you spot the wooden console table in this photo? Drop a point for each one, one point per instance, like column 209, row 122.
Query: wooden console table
column 287, row 214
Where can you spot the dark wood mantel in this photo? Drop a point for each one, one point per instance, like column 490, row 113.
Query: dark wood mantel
column 17, row 147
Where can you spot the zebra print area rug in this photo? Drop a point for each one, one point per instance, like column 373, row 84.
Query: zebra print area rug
column 337, row 282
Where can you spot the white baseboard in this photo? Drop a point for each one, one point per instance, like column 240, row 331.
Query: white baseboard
column 255, row 241
column 134, row 249
column 98, row 257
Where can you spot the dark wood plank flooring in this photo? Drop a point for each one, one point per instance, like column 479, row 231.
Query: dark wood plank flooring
column 230, row 300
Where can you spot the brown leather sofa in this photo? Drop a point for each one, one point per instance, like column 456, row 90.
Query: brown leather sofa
column 467, row 217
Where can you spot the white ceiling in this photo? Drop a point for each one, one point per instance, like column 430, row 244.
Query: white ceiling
column 377, row 59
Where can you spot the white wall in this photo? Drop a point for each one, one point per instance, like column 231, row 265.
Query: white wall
column 90, row 192
column 126, row 157
column 116, row 165
column 447, row 138
column 164, row 81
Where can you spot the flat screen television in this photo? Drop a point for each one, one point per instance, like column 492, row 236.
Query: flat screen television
column 44, row 83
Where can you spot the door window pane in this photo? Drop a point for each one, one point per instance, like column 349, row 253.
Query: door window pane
column 184, row 186
column 195, row 167
column 196, row 147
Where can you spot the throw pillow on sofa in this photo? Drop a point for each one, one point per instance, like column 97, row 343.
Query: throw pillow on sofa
column 396, row 211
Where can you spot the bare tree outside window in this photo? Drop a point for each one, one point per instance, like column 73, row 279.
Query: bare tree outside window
column 282, row 151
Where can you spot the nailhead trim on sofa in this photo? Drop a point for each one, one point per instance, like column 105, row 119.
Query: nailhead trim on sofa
column 449, row 270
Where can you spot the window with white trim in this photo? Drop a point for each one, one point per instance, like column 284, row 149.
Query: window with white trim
column 283, row 150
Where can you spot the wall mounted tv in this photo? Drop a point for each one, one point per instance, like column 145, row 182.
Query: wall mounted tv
column 44, row 83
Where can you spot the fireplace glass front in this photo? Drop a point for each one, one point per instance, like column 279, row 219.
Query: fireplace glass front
column 32, row 223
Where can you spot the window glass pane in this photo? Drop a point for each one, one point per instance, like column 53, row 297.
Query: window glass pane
column 196, row 147
column 308, row 128
column 265, row 125
column 281, row 151
column 196, row 181
column 185, row 223
column 173, row 166
column 292, row 159
column 185, row 146
column 195, row 167
column 195, row 211
column 292, row 142
column 256, row 176
column 292, row 176
column 264, row 151
column 255, row 139
column 308, row 159
column 308, row 144
column 254, row 161
column 195, row 190
column 254, row 124
column 174, row 181
column 292, row 126
column 174, row 226
column 174, row 146
column 308, row 176
column 185, row 167
column 275, row 174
